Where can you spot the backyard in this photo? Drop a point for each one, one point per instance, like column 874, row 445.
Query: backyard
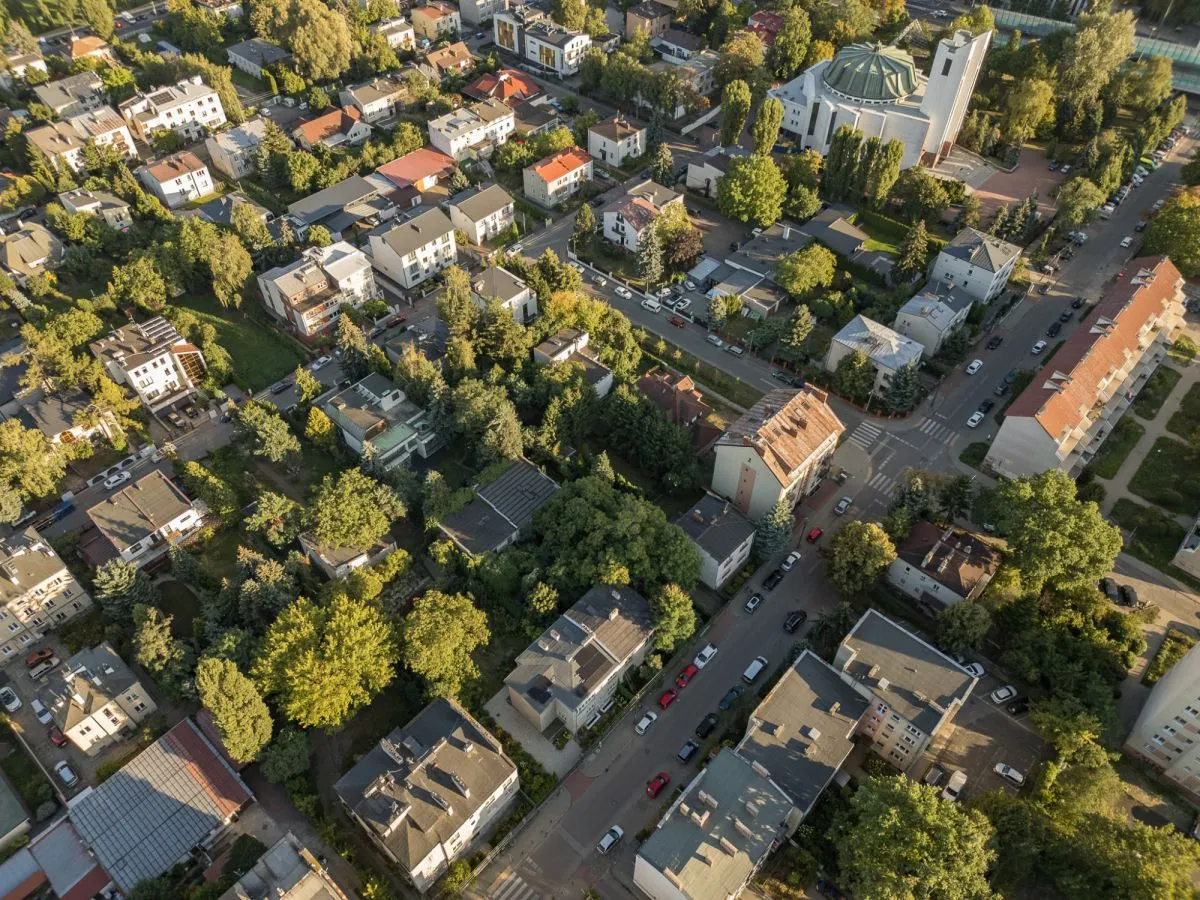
column 261, row 356
column 1153, row 535
column 1187, row 418
column 178, row 601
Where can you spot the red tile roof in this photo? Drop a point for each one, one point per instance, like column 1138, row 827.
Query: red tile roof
column 508, row 86
column 336, row 121
column 1063, row 393
column 415, row 166
column 88, row 45
column 562, row 163
column 786, row 428
column 176, row 166
column 456, row 56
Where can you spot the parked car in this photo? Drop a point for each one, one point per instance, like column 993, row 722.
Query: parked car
column 37, row 657
column 65, row 773
column 667, row 698
column 986, row 405
column 794, row 620
column 9, row 699
column 1009, row 773
column 1141, row 226
column 974, row 419
column 792, row 558
column 1109, row 588
column 772, row 581
column 655, row 785
column 684, row 678
column 842, row 506
column 974, row 669
column 1066, row 316
column 1038, row 348
column 995, row 342
column 1018, row 707
column 57, row 738
column 1054, row 329
column 1001, row 389
column 707, row 726
column 954, row 786
column 714, row 340
column 622, row 291
column 734, row 349
column 754, row 602
column 754, row 669
column 975, row 366
column 687, row 751
column 704, row 657
column 1128, row 595
column 1127, row 241
column 321, row 362
column 1003, row 694
column 43, row 714
column 601, row 281
column 645, row 722
column 43, row 667
column 814, row 535
column 115, row 481
column 677, row 322
column 1077, row 303
column 611, row 838
column 730, row 698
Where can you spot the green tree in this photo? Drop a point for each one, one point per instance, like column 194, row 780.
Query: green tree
column 882, row 173
column 786, row 54
column 276, row 517
column 858, row 554
column 216, row 492
column 1175, row 231
column 286, row 756
column 319, row 429
column 237, row 708
column 585, row 226
column 119, row 586
column 307, row 385
column 804, row 271
column 543, row 599
column 962, row 627
column 799, row 327
column 455, row 305
column 352, row 509
column 324, row 662
column 900, row 841
column 735, row 109
column 260, row 427
column 662, row 169
column 904, row 391
column 955, row 496
column 765, row 130
column 752, row 190
column 154, row 647
column 842, row 163
column 774, row 530
column 138, row 283
column 571, row 14
column 674, row 616
column 1078, row 200
column 919, row 194
column 914, row 251
column 439, row 636
column 854, row 376
column 487, row 418
column 1029, row 103
column 351, row 342
column 741, row 59
column 650, row 257
column 99, row 16
column 1099, row 45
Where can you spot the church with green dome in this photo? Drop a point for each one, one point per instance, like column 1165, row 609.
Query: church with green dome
column 879, row 90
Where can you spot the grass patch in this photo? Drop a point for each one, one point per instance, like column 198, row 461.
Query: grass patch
column 1155, row 391
column 261, row 356
column 1187, row 418
column 732, row 389
column 1174, row 646
column 1163, row 478
column 1154, row 536
column 218, row 556
column 1116, row 449
column 973, row 454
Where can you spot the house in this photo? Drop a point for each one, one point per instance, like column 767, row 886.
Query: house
column 649, row 17
column 376, row 99
column 14, row 820
column 879, row 90
column 476, row 12
column 677, row 45
column 397, row 32
column 219, row 210
column 17, row 64
column 722, row 535
column 375, row 412
column 105, row 128
column 422, row 169
column 570, row 345
column 451, row 59
column 286, row 871
column 425, row 792
column 716, row 835
column 153, row 359
column 481, row 213
column 557, row 177
column 89, row 46
column 178, row 179
column 73, row 94
column 255, row 56
column 887, row 351
column 681, row 403
column 338, row 562
column 234, row 153
column 1061, row 419
column 474, row 130
column 940, row 567
column 627, row 218
column 704, row 173
column 802, row 733
column 29, row 251
column 37, row 591
column 96, row 699
column 833, row 226
column 765, row 25
column 509, row 86
column 513, row 293
column 190, row 108
column 60, row 143
column 525, row 28
column 60, row 415
column 976, row 263
column 336, row 128
column 933, row 315
column 436, row 20
column 56, row 860
column 777, row 451
column 697, row 73
column 310, row 293
column 139, row 522
column 614, row 140
column 574, row 668
column 501, row 510
column 534, row 118
column 415, row 249
column 172, row 799
column 340, row 207
column 1163, row 735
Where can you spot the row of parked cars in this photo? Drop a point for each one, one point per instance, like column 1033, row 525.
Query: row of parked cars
column 40, row 662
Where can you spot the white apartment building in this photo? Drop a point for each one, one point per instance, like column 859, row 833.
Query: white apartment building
column 37, row 591
column 628, row 218
column 557, row 177
column 1166, row 730
column 234, row 153
column 309, row 294
column 525, row 29
column 481, row 213
column 1061, row 420
column 153, row 359
column 375, row 413
column 109, row 207
column 721, row 534
column 96, row 700
column 887, row 351
column 976, row 263
column 178, row 179
column 476, row 12
column 474, row 130
column 190, row 108
column 416, row 249
column 397, row 32
column 105, row 128
column 933, row 315
column 614, row 140
column 139, row 522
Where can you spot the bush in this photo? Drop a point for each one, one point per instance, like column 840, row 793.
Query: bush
column 1175, row 644
column 1185, row 348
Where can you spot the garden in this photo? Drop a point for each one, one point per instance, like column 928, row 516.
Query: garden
column 1175, row 645
column 261, row 356
column 1153, row 535
column 1155, row 391
column 1163, row 477
column 1116, row 449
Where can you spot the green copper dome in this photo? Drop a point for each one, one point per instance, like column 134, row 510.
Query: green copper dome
column 872, row 72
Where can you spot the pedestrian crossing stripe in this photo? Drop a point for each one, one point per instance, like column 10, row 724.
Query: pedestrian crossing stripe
column 936, row 430
column 865, row 434
column 882, row 483
column 513, row 888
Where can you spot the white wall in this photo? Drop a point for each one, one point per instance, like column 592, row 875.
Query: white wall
column 1022, row 447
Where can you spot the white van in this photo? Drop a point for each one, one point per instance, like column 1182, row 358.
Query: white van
column 652, row 305
column 754, row 669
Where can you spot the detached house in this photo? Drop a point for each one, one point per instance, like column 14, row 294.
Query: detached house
column 190, row 108
column 481, row 213
column 109, row 207
column 105, row 128
column 420, row 170
column 933, row 315
column 614, row 140
column 474, row 130
column 777, row 451
column 234, row 153
column 310, row 293
column 628, row 218
column 513, row 293
column 376, row 99
column 436, row 20
column 453, row 59
column 17, row 64
column 977, row 263
column 375, row 412
column 722, row 535
column 650, row 18
column 415, row 249
column 60, row 143
column 502, row 509
column 939, row 567
column 73, row 95
column 574, row 668
column 178, row 179
column 139, row 522
column 570, row 345
column 153, row 359
column 555, row 178
column 255, row 56
column 29, row 251
column 397, row 32
column 510, row 86
column 887, row 351
column 335, row 128
column 681, row 403
column 96, row 699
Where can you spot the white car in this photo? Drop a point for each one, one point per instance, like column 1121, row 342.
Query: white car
column 576, row 266
column 1159, row 203
column 624, row 292
column 1038, row 348
column 690, row 285
column 974, row 669
column 975, row 419
column 842, row 506
column 792, row 559
column 1127, row 241
column 1010, row 773
column 43, row 714
column 714, row 340
column 975, row 366
column 516, row 248
column 941, row 14
column 665, row 293
column 954, row 786
column 645, row 722
column 113, row 481
column 682, row 304
column 610, row 839
column 1003, row 694
column 601, row 282
column 704, row 657
column 65, row 773
column 9, row 699
column 321, row 362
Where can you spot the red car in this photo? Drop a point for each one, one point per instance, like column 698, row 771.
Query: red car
column 37, row 657
column 815, row 535
column 677, row 321
column 57, row 738
column 667, row 698
column 684, row 678
column 656, row 784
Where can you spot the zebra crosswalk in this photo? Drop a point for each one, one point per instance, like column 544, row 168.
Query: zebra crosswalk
column 512, row 887
column 937, row 430
column 882, row 483
column 865, row 435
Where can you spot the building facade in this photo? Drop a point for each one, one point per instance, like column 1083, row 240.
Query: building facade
column 526, row 29
column 1165, row 733
column 109, row 207
column 397, row 32
column 886, row 350
column 933, row 316
column 255, row 56
column 73, row 95
column 628, row 218
column 139, row 522
column 178, row 179
column 190, row 108
column 37, row 591
column 474, row 130
column 436, row 20
column 615, row 140
column 310, row 293
column 513, row 293
column 234, row 153
column 721, row 534
column 153, row 358
column 96, row 700
column 481, row 213
column 416, row 249
column 937, row 567
column 374, row 413
column 976, row 263
column 555, row 178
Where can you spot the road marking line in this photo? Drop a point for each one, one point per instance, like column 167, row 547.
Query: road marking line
column 513, row 888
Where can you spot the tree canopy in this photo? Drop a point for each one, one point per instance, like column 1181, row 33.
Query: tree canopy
column 439, row 636
column 858, row 554
column 237, row 708
column 352, row 509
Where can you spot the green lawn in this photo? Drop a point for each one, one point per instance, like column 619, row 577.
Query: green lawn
column 1166, row 478
column 1118, row 446
column 1155, row 392
column 261, row 356
column 973, row 454
column 726, row 385
column 218, row 555
column 1187, row 418
column 1155, row 535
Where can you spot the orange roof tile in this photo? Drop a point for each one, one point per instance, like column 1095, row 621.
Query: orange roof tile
column 174, row 166
column 415, row 166
column 508, row 85
column 562, row 163
column 87, row 45
column 336, row 121
column 786, row 427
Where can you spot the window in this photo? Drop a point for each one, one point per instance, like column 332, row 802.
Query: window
column 946, row 67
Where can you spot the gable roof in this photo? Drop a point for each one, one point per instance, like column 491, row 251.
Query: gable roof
column 643, row 203
column 561, row 164
column 785, row 427
column 137, row 510
column 986, row 251
column 479, row 202
column 716, row 526
column 258, row 52
column 503, row 506
column 937, row 303
column 833, row 228
column 414, row 233
column 683, row 39
column 510, row 86
column 175, row 166
column 500, row 283
column 336, row 121
column 615, row 129
column 883, row 346
column 332, row 199
column 52, row 414
column 416, row 166
column 87, row 45
column 450, row 58
column 31, row 249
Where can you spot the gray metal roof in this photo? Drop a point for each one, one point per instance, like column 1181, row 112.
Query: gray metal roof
column 520, row 491
column 715, row 526
column 500, row 283
column 833, row 228
column 258, row 52
column 986, row 251
column 937, row 303
column 414, row 233
column 55, row 413
column 137, row 510
column 880, row 344
column 332, row 200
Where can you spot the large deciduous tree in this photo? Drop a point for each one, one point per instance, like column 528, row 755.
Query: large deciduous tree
column 806, row 270
column 858, row 554
column 962, row 627
column 1078, row 200
column 790, row 47
column 735, row 109
column 741, row 58
column 674, row 616
column 1175, row 231
column 237, row 708
column 263, row 431
column 752, row 190
column 765, row 130
column 352, row 509
column 439, row 636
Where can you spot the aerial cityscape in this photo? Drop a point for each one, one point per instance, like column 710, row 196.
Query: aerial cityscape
column 599, row 449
